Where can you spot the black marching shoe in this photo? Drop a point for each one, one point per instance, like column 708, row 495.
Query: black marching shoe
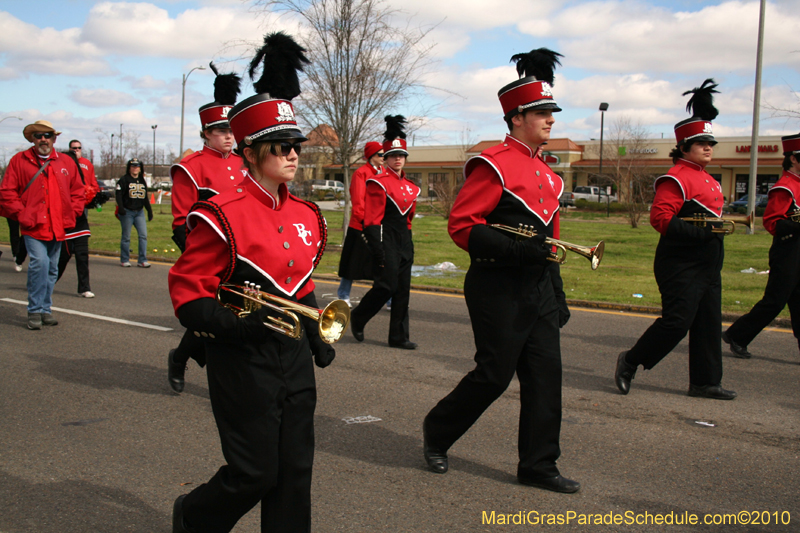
column 624, row 374
column 437, row 460
column 405, row 345
column 178, row 525
column 715, row 392
column 556, row 484
column 736, row 349
column 175, row 373
column 358, row 333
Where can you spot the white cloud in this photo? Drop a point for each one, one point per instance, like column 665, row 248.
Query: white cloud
column 631, row 36
column 103, row 98
column 30, row 49
column 193, row 34
column 145, row 82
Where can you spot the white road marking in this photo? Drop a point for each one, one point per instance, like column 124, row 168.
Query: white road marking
column 98, row 317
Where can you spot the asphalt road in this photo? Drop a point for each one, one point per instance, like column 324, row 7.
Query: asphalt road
column 92, row 439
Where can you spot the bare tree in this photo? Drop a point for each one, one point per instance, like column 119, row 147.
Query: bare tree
column 364, row 65
column 446, row 190
column 626, row 168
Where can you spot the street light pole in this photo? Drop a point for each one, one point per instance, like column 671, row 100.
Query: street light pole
column 603, row 108
column 120, row 143
column 6, row 118
column 183, row 100
column 154, row 148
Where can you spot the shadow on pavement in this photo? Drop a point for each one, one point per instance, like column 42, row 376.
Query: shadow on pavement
column 73, row 506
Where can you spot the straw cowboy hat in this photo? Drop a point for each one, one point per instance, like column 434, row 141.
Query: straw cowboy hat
column 40, row 126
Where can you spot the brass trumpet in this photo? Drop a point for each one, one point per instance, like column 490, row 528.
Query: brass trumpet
column 794, row 216
column 332, row 320
column 593, row 253
column 700, row 219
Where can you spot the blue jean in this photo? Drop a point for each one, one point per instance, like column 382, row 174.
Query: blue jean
column 343, row 292
column 42, row 273
column 133, row 218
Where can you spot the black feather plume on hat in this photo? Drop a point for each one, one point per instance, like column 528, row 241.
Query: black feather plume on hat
column 540, row 63
column 280, row 58
column 701, row 104
column 226, row 86
column 395, row 127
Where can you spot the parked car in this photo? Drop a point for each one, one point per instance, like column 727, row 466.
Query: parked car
column 761, row 201
column 588, row 193
column 335, row 187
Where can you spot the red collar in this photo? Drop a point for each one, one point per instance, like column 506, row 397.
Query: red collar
column 34, row 155
column 215, row 153
column 264, row 196
column 520, row 146
column 391, row 172
column 792, row 174
column 690, row 164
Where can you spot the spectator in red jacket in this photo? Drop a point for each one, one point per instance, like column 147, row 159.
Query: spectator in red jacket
column 42, row 191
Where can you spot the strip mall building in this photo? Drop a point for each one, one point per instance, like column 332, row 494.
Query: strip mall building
column 578, row 163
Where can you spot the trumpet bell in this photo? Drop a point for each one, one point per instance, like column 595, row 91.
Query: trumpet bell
column 333, row 321
column 597, row 254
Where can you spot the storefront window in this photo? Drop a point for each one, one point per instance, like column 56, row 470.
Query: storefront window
column 764, row 182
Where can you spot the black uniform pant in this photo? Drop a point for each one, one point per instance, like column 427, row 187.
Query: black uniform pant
column 263, row 398
column 393, row 281
column 691, row 302
column 78, row 247
column 783, row 287
column 18, row 249
column 514, row 318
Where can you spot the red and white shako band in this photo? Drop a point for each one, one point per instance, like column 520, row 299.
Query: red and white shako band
column 686, row 131
column 214, row 116
column 791, row 143
column 395, row 146
column 260, row 115
column 526, row 93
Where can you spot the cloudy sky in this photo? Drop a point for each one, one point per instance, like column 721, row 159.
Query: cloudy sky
column 89, row 66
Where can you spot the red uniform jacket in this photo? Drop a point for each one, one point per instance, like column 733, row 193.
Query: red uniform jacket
column 199, row 176
column 390, row 187
column 685, row 183
column 49, row 206
column 91, row 188
column 782, row 200
column 358, row 193
column 279, row 240
column 507, row 184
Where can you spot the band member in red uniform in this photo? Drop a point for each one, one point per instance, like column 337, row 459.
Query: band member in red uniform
column 391, row 202
column 200, row 176
column 783, row 285
column 261, row 382
column 688, row 259
column 77, row 239
column 355, row 262
column 513, row 292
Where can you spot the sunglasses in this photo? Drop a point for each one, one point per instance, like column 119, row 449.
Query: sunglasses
column 286, row 148
column 48, row 135
column 73, row 148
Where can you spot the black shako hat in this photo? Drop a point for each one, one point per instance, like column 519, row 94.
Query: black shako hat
column 269, row 114
column 534, row 89
column 701, row 105
column 226, row 89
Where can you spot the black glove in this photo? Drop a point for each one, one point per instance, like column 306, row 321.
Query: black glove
column 179, row 236
column 686, row 231
column 561, row 298
column 149, row 216
column 207, row 316
column 486, row 243
column 785, row 227
column 372, row 234
column 322, row 351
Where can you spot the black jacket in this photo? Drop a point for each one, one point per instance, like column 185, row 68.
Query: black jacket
column 131, row 194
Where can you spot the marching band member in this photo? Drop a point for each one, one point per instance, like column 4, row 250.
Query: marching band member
column 391, row 201
column 783, row 285
column 200, row 176
column 514, row 293
column 355, row 262
column 261, row 382
column 688, row 259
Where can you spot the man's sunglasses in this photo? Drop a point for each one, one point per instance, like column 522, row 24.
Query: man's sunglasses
column 286, row 148
column 73, row 148
column 48, row 135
